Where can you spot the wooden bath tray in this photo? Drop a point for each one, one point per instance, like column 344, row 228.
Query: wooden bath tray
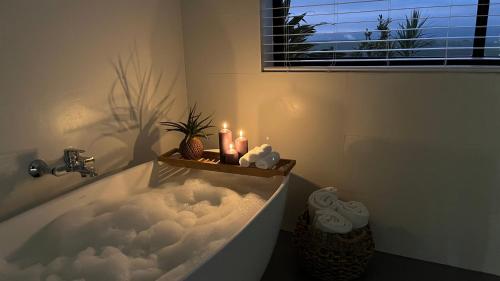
column 211, row 161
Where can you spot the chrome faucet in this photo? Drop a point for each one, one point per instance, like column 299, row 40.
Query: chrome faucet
column 73, row 162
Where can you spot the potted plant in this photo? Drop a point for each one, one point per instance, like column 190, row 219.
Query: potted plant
column 191, row 147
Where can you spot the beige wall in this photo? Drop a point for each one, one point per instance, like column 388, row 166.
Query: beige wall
column 56, row 80
column 420, row 149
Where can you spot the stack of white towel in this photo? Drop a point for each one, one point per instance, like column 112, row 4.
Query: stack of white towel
column 332, row 215
column 263, row 156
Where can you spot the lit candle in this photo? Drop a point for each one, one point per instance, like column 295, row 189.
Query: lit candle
column 225, row 138
column 231, row 156
column 241, row 144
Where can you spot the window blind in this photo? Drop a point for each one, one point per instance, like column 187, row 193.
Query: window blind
column 337, row 34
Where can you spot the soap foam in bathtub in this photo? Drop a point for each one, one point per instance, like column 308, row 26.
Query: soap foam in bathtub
column 161, row 234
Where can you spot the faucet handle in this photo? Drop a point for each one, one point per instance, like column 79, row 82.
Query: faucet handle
column 87, row 160
column 71, row 156
column 88, row 168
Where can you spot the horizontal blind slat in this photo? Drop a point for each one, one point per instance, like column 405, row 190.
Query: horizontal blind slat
column 325, row 5
column 378, row 10
column 357, row 2
column 456, row 16
column 382, row 59
column 384, row 50
column 400, row 19
column 388, row 40
column 392, row 30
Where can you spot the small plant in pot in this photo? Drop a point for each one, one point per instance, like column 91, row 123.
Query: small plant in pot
column 191, row 147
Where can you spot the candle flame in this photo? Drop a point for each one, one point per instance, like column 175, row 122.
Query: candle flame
column 231, row 146
column 241, row 133
column 224, row 125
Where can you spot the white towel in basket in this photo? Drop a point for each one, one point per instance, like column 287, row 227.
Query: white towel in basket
column 328, row 220
column 355, row 212
column 325, row 198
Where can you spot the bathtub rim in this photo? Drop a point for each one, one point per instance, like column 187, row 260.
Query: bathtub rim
column 75, row 188
column 72, row 188
column 282, row 185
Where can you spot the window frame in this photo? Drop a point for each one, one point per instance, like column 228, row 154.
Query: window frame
column 477, row 63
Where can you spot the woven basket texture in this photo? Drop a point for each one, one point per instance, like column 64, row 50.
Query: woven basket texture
column 332, row 256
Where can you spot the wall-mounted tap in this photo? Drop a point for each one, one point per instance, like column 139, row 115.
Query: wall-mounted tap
column 73, row 162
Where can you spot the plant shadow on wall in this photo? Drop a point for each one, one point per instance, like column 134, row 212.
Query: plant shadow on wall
column 137, row 102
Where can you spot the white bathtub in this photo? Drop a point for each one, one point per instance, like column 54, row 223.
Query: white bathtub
column 243, row 257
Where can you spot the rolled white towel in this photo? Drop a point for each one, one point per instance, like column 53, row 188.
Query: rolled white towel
column 331, row 189
column 266, row 148
column 259, row 152
column 328, row 220
column 255, row 154
column 268, row 161
column 325, row 198
column 355, row 212
column 244, row 162
column 245, row 159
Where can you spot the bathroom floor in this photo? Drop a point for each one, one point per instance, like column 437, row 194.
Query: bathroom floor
column 384, row 267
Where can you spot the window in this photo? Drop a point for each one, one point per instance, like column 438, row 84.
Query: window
column 339, row 34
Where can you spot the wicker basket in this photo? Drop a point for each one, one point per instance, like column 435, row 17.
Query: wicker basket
column 328, row 256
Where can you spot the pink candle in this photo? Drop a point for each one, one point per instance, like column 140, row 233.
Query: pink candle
column 231, row 156
column 241, row 144
column 225, row 138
